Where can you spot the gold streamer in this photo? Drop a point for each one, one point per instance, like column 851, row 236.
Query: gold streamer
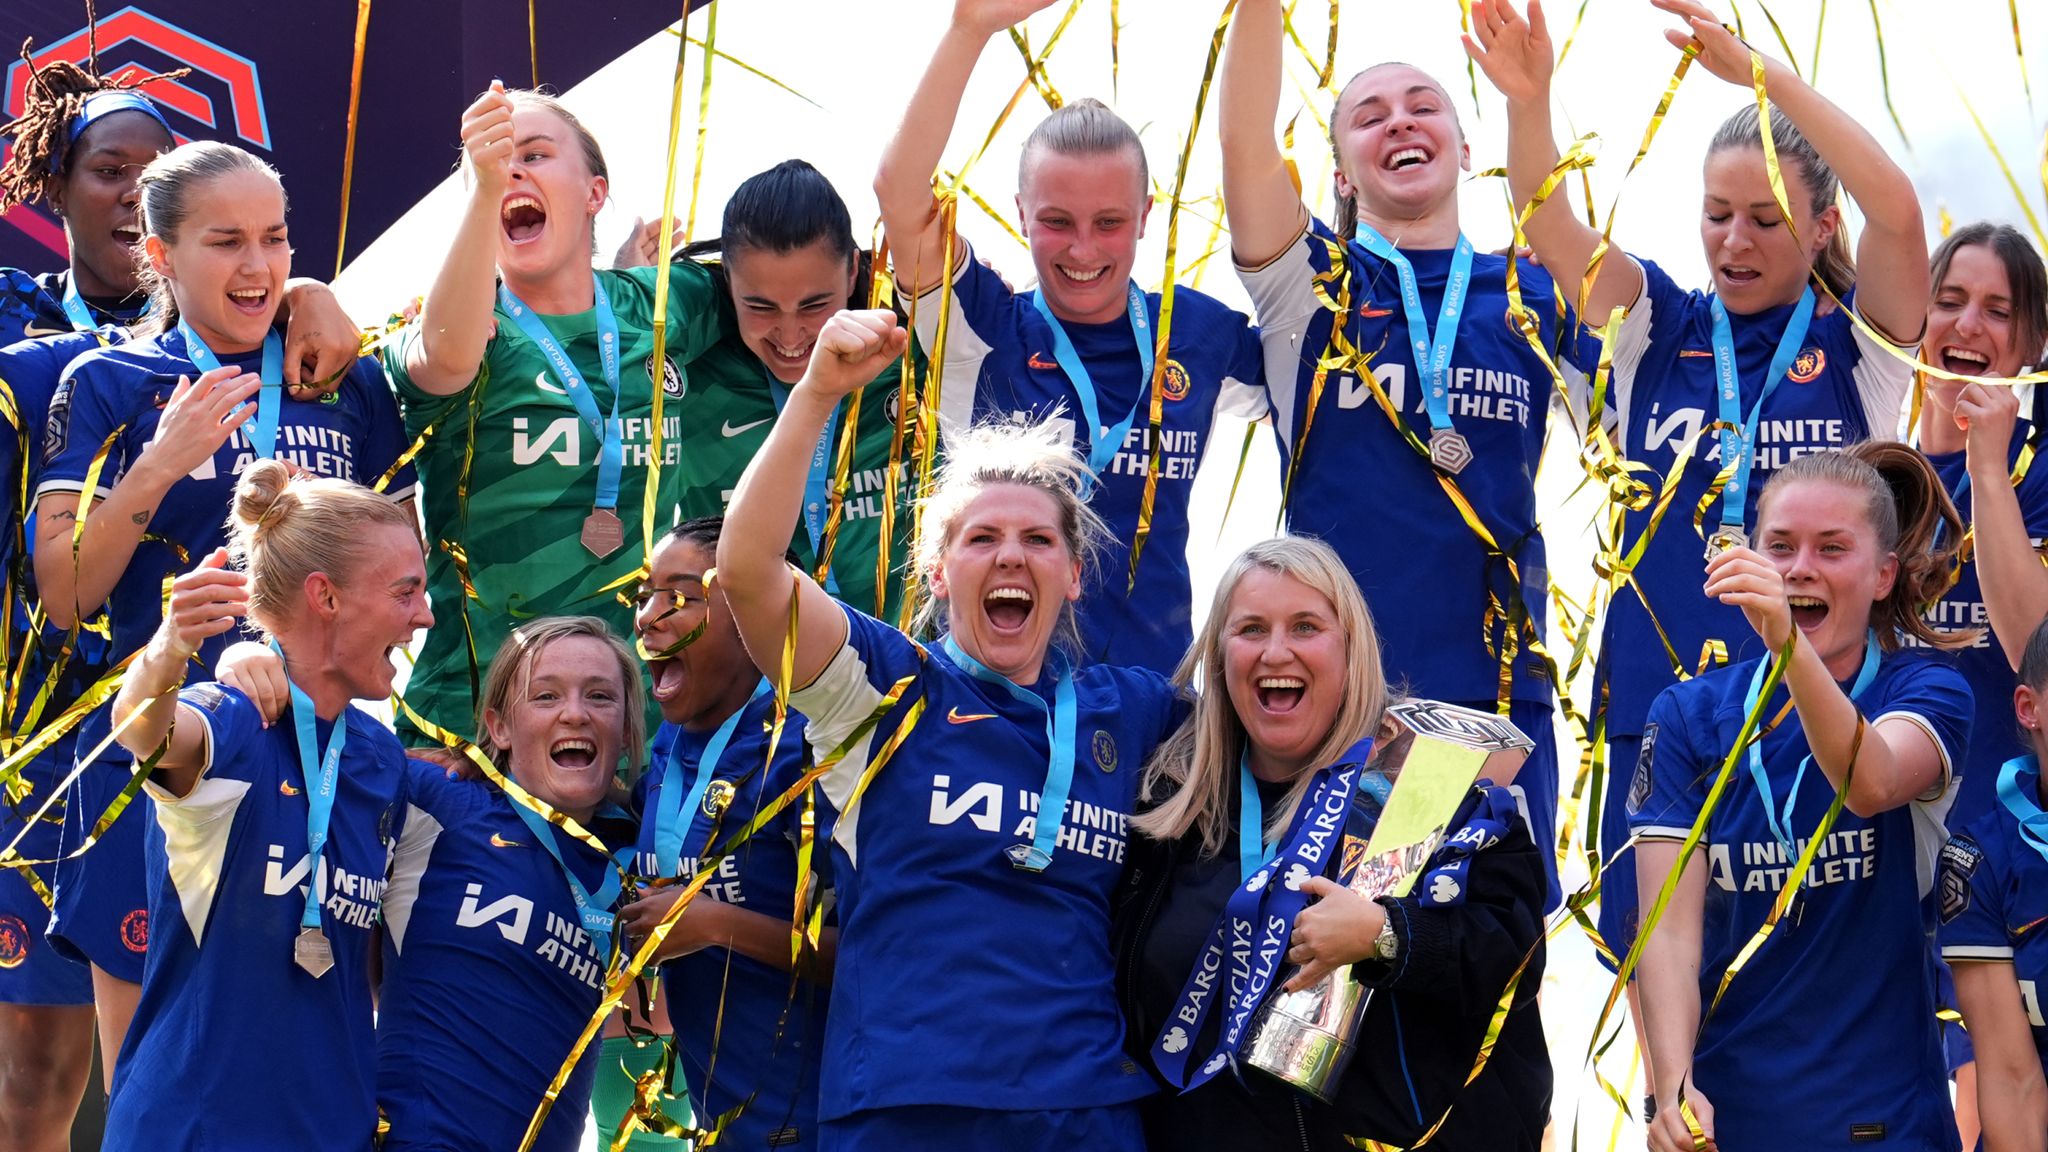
column 703, row 128
column 348, row 151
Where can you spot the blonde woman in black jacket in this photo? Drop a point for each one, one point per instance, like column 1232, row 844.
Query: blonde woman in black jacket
column 1274, row 755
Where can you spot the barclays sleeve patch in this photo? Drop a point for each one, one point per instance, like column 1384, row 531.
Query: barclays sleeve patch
column 1639, row 785
column 1959, row 860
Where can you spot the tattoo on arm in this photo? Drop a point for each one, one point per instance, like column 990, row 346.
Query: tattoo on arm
column 141, row 518
column 66, row 514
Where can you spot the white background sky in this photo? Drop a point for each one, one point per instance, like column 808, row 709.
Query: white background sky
column 858, row 62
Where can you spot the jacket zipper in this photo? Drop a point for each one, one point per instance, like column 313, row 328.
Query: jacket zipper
column 1300, row 1121
column 1138, row 939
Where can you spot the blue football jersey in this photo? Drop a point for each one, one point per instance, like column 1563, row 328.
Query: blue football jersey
column 118, row 394
column 1994, row 901
column 962, row 980
column 478, row 917
column 1841, row 388
column 1789, row 1016
column 1355, row 483
column 1995, row 736
column 233, row 1044
column 774, row 1030
column 32, row 306
column 1000, row 363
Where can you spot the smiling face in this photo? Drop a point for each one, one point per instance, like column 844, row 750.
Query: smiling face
column 1083, row 215
column 380, row 608
column 1756, row 261
column 1972, row 327
column 692, row 685
column 1399, row 148
column 96, row 197
column 544, row 220
column 228, row 266
column 1007, row 573
column 783, row 298
column 563, row 723
column 1818, row 535
column 1284, row 668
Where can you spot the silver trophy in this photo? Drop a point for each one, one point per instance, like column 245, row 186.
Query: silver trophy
column 1434, row 754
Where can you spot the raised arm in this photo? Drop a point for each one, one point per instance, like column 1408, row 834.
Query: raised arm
column 1516, row 56
column 455, row 320
column 2009, row 567
column 1895, row 761
column 198, row 419
column 903, row 181
column 205, row 602
column 1891, row 256
column 1260, row 201
column 851, row 349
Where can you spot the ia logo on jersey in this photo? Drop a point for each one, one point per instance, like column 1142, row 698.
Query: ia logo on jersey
column 474, row 914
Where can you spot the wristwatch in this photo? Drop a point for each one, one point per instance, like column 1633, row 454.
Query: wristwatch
column 1386, row 945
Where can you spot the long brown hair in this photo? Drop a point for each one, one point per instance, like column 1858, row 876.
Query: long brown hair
column 1835, row 266
column 1914, row 520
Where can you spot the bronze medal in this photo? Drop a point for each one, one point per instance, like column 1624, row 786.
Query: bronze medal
column 602, row 532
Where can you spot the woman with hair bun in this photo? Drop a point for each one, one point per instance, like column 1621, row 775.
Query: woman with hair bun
column 1849, row 544
column 139, row 473
column 267, row 858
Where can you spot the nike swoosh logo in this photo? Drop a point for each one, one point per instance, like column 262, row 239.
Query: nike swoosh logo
column 498, row 841
column 1375, row 313
column 730, row 429
column 540, row 381
column 955, row 716
column 1041, row 363
column 31, row 332
column 1694, row 352
column 285, row 787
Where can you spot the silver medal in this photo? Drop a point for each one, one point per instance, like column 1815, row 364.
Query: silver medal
column 1449, row 451
column 312, row 952
column 1725, row 539
column 1027, row 857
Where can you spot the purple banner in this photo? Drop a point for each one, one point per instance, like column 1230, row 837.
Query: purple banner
column 274, row 78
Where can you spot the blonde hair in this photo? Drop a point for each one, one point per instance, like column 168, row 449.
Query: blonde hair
column 283, row 527
column 1196, row 769
column 979, row 458
column 1085, row 127
column 1835, row 265
column 513, row 666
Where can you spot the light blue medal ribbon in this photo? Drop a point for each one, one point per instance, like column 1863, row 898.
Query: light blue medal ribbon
column 1252, row 849
column 259, row 430
column 2018, row 784
column 319, row 772
column 1781, row 822
column 74, row 307
column 1738, row 433
column 1247, row 947
column 672, row 820
column 818, row 482
column 1104, row 441
column 1059, row 766
column 1447, row 448
column 603, row 527
column 593, row 908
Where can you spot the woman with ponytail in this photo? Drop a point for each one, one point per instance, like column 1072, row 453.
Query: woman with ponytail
column 267, row 858
column 140, row 469
column 1849, row 544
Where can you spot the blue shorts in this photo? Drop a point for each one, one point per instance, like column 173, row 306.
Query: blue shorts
column 1537, row 782
column 1619, row 912
column 102, row 914
column 31, row 971
column 943, row 1128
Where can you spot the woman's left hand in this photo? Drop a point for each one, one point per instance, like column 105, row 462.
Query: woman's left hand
column 1721, row 51
column 1742, row 578
column 1339, row 928
column 693, row 931
column 320, row 341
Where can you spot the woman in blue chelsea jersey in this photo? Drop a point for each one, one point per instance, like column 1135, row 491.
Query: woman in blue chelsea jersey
column 1993, row 894
column 1849, row 545
column 267, row 856
column 972, row 999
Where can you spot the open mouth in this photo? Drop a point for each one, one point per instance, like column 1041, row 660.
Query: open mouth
column 1964, row 361
column 1007, row 608
column 522, row 217
column 249, row 301
column 1280, row 693
column 574, row 753
column 127, row 237
column 668, row 677
column 1807, row 611
column 798, row 355
column 1405, row 158
column 1738, row 274
column 1081, row 275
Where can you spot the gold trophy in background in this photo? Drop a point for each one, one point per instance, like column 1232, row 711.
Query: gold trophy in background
column 1433, row 754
